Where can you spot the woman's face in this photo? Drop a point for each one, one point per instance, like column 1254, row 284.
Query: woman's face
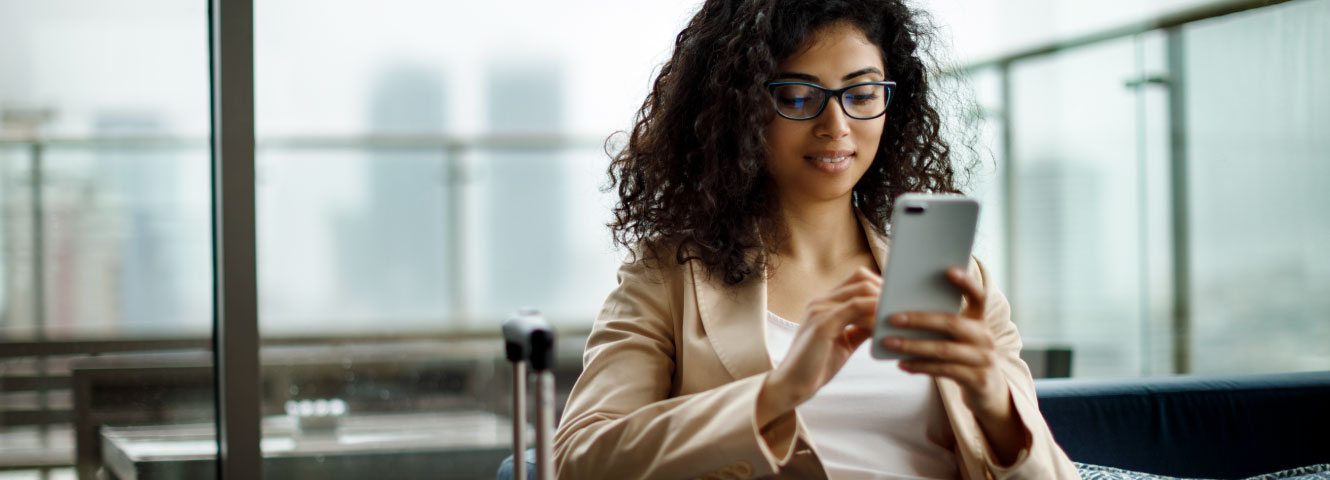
column 821, row 159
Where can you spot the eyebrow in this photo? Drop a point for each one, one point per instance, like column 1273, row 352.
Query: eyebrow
column 813, row 78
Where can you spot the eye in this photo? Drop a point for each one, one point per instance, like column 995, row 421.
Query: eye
column 795, row 96
column 862, row 99
column 864, row 95
column 792, row 101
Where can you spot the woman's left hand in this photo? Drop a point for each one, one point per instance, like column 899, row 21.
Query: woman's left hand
column 968, row 355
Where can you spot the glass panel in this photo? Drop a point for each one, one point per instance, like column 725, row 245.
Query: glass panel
column 990, row 175
column 1257, row 164
column 419, row 181
column 17, row 237
column 350, row 238
column 127, row 242
column 551, row 251
column 1076, row 239
column 105, row 236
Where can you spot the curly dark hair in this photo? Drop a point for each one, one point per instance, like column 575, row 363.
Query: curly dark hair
column 692, row 179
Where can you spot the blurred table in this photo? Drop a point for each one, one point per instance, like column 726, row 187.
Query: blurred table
column 176, row 387
column 440, row 445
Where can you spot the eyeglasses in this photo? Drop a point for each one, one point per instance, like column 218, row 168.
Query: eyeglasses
column 802, row 100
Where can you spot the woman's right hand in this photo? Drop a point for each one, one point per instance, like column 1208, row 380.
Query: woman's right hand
column 833, row 327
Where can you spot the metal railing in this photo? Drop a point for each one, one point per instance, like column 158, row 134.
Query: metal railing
column 454, row 151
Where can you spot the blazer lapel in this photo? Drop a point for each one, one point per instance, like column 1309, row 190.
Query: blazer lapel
column 735, row 316
column 735, row 321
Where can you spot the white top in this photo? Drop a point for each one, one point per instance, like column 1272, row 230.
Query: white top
column 873, row 420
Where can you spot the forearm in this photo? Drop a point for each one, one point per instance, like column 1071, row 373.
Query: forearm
column 679, row 437
column 1005, row 432
column 772, row 406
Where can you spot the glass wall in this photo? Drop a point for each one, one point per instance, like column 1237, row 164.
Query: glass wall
column 1102, row 234
column 424, row 171
column 1257, row 111
column 105, row 235
column 1076, row 251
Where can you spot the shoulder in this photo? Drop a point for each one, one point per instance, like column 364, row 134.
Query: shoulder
column 651, row 282
column 655, row 261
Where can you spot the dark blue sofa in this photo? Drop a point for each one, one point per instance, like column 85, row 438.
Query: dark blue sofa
column 1195, row 426
column 1199, row 426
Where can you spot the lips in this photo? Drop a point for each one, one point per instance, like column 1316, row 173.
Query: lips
column 830, row 161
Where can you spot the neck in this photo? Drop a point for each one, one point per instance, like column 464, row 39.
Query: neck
column 822, row 234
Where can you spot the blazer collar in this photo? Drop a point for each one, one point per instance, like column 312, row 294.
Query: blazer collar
column 735, row 316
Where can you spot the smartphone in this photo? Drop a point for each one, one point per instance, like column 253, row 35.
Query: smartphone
column 929, row 233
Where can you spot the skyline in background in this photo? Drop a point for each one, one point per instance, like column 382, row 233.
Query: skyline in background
column 423, row 239
column 156, row 64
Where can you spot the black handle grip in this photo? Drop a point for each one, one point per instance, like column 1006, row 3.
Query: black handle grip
column 527, row 336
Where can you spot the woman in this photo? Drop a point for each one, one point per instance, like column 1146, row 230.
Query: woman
column 754, row 189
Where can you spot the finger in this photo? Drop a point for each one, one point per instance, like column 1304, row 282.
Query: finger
column 976, row 296
column 861, row 288
column 863, row 274
column 940, row 350
column 858, row 311
column 965, row 375
column 959, row 328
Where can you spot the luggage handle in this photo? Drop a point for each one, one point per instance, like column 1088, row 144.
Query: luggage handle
column 529, row 339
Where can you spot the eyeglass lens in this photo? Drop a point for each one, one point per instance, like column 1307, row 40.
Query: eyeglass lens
column 805, row 101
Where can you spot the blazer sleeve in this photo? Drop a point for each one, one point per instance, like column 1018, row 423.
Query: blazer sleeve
column 620, row 420
column 1043, row 458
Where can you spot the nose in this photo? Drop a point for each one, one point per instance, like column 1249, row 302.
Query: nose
column 833, row 123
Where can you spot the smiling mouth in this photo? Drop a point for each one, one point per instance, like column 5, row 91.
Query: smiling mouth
column 832, row 159
column 830, row 164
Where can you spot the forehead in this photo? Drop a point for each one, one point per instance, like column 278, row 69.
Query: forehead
column 832, row 51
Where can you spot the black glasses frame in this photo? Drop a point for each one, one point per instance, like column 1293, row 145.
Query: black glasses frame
column 828, row 94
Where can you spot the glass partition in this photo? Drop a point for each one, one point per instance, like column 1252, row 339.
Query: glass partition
column 105, row 236
column 1075, row 199
column 424, row 171
column 1257, row 112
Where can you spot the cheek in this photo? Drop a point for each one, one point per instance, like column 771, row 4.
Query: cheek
column 781, row 137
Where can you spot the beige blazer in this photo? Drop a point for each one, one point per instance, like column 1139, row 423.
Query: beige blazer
column 672, row 370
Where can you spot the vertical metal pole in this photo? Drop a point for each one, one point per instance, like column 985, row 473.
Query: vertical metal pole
column 1008, row 179
column 235, row 326
column 545, row 424
column 39, row 276
column 1177, row 121
column 519, row 420
column 39, row 282
column 457, row 167
column 38, row 241
column 1142, row 208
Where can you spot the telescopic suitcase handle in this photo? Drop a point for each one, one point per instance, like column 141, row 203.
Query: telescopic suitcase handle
column 529, row 339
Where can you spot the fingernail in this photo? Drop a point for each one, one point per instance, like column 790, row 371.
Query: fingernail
column 892, row 342
column 900, row 319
